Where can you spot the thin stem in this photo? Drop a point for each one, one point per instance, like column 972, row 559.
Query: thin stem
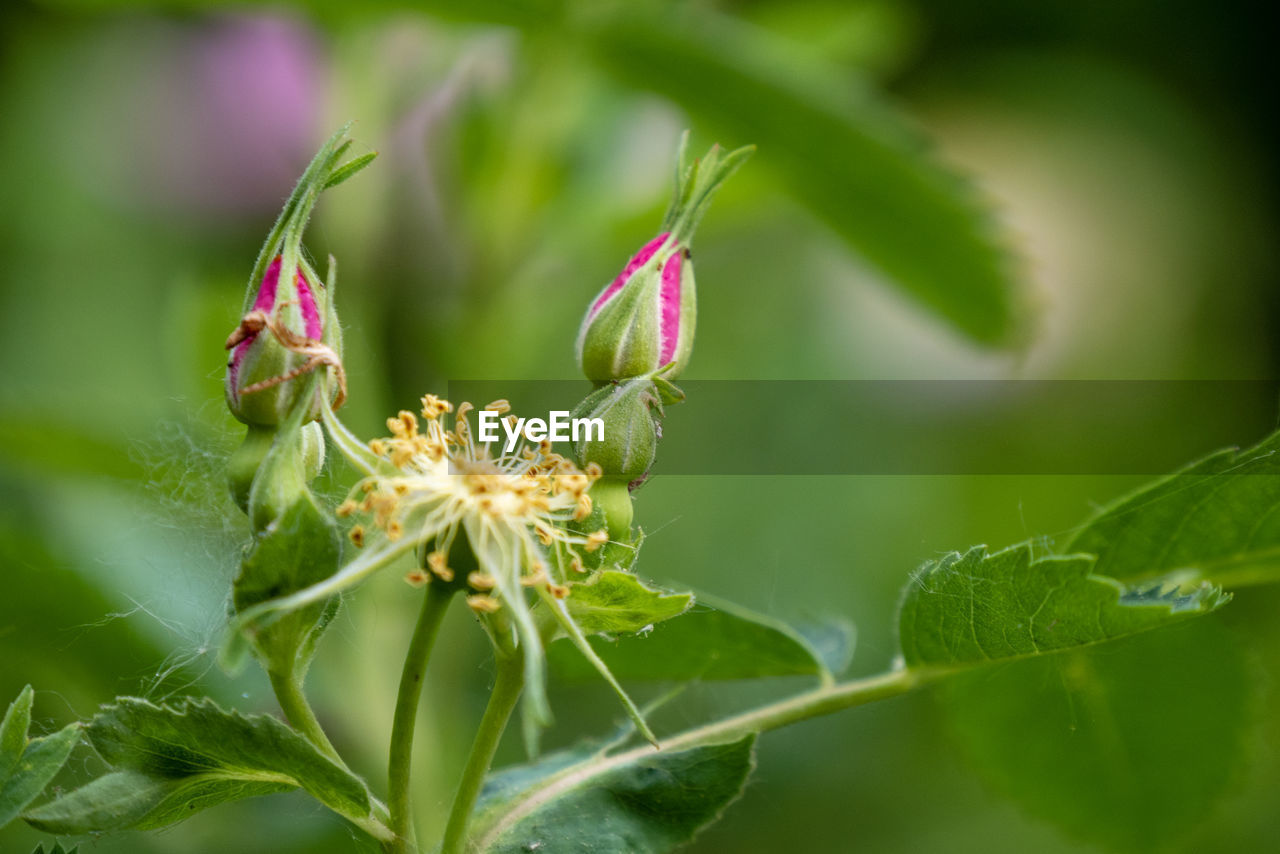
column 811, row 704
column 435, row 602
column 571, row 628
column 292, row 699
column 506, row 692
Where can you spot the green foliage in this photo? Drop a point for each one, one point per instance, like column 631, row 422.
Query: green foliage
column 714, row 639
column 638, row 801
column 171, row 761
column 136, row 800
column 28, row 765
column 1105, row 742
column 1133, row 746
column 831, row 142
column 303, row 547
column 614, row 602
column 348, row 170
column 56, row 849
column 1218, row 517
column 976, row 607
column 1128, row 746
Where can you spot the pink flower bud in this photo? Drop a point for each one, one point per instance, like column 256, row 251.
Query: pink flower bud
column 644, row 320
column 269, row 348
column 642, row 323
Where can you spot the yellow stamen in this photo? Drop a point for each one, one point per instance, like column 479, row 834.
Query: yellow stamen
column 482, row 604
column 596, row 539
column 481, row 580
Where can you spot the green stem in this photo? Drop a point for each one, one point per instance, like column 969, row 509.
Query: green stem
column 289, row 693
column 292, row 699
column 506, row 692
column 811, row 704
column 435, row 602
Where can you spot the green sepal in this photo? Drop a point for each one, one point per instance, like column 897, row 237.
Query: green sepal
column 631, row 411
column 248, row 458
column 696, row 182
column 615, row 602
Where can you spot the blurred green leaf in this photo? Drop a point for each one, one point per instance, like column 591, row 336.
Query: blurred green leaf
column 42, row 445
column 857, row 163
column 616, row 602
column 26, row 767
column 48, row 606
column 642, row 802
column 1129, row 747
column 1091, row 755
column 976, row 607
column 1219, row 517
column 713, row 640
column 172, row 761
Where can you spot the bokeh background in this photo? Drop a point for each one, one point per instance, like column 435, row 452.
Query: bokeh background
column 1125, row 153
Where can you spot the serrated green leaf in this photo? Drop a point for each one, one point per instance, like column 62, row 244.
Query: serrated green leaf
column 1131, row 748
column 616, row 602
column 136, row 800
column 1127, row 746
column 28, row 765
column 1219, row 517
column 973, row 608
column 56, row 849
column 641, row 801
column 714, row 639
column 172, row 761
column 860, row 166
column 301, row 548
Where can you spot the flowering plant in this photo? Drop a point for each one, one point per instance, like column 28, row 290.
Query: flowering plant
column 541, row 545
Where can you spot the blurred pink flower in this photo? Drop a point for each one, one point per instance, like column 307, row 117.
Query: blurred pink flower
column 233, row 116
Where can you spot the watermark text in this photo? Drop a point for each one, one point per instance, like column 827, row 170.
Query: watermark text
column 557, row 427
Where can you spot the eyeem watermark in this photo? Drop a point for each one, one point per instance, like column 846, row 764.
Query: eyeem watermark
column 557, row 427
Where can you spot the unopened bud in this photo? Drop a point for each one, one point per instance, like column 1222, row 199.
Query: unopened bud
column 288, row 329
column 632, row 413
column 643, row 322
column 285, row 354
